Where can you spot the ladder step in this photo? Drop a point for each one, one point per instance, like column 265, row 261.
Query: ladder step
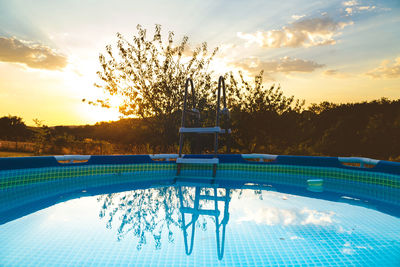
column 197, row 160
column 200, row 130
column 200, row 211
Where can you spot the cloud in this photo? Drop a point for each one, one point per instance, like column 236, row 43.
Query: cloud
column 300, row 33
column 387, row 69
column 368, row 8
column 350, row 3
column 358, row 9
column 331, row 72
column 283, row 65
column 349, row 10
column 354, row 7
column 227, row 50
column 336, row 74
column 32, row 55
column 297, row 17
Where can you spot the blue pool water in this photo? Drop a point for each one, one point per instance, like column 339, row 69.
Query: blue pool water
column 264, row 226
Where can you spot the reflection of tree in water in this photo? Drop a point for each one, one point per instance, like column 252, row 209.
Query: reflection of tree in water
column 151, row 211
column 145, row 211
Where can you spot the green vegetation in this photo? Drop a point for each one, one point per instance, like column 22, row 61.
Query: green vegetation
column 368, row 129
column 15, row 154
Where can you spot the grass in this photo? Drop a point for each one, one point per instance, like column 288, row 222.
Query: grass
column 15, row 154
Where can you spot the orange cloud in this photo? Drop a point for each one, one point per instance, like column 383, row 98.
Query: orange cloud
column 301, row 33
column 386, row 70
column 32, row 55
column 283, row 65
column 336, row 74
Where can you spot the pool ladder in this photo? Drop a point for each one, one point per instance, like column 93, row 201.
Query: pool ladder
column 216, row 130
column 197, row 210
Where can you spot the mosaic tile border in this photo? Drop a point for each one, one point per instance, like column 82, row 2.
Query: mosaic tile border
column 347, row 180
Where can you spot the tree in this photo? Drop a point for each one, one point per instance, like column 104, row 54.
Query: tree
column 149, row 75
column 13, row 128
column 263, row 118
column 42, row 136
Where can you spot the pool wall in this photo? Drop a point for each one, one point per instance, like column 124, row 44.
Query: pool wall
column 48, row 176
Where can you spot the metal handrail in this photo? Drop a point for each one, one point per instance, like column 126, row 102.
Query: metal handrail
column 221, row 81
column 221, row 85
column 188, row 81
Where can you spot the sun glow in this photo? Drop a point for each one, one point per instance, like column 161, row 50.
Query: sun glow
column 94, row 114
column 79, row 79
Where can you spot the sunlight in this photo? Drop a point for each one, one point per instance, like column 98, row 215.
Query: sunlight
column 93, row 114
column 79, row 79
column 116, row 101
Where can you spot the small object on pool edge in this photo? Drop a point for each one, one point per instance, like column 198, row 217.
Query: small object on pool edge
column 315, row 185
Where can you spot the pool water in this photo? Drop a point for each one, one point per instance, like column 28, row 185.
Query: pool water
column 255, row 226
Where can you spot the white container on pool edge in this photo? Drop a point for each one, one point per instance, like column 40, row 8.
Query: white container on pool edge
column 315, row 185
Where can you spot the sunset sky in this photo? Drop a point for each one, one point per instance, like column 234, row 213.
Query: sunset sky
column 339, row 51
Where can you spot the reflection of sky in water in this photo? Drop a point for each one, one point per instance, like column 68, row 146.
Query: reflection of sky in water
column 143, row 227
column 276, row 208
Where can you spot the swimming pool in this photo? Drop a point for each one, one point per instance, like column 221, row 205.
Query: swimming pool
column 258, row 210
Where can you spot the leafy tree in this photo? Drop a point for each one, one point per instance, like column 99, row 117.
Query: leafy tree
column 253, row 97
column 148, row 74
column 261, row 116
column 42, row 136
column 13, row 128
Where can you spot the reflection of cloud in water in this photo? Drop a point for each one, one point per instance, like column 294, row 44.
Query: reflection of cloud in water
column 274, row 216
column 341, row 230
column 350, row 248
column 280, row 210
column 347, row 249
column 295, row 237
